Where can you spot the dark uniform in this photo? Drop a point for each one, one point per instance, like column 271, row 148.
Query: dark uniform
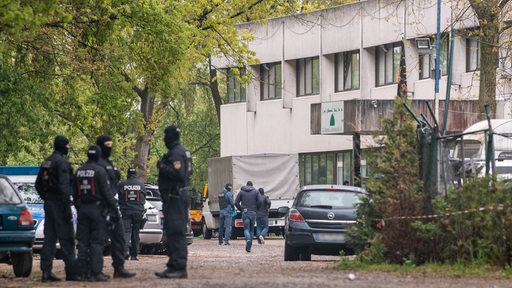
column 54, row 185
column 132, row 196
column 117, row 229
column 93, row 200
column 175, row 168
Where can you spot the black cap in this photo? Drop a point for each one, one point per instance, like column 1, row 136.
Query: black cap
column 131, row 172
column 94, row 153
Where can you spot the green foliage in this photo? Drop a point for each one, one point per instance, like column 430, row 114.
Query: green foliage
column 395, row 192
column 475, row 228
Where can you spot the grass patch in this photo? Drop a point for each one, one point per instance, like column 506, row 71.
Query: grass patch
column 437, row 269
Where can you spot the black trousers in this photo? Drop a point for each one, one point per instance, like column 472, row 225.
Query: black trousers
column 132, row 222
column 117, row 244
column 58, row 226
column 176, row 214
column 92, row 235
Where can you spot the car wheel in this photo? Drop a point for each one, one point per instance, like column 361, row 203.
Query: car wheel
column 290, row 253
column 207, row 233
column 304, row 254
column 22, row 264
column 197, row 232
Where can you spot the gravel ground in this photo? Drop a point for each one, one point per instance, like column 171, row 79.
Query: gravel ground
column 211, row 265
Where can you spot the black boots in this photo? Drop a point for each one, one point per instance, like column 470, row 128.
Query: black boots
column 169, row 273
column 49, row 277
column 123, row 273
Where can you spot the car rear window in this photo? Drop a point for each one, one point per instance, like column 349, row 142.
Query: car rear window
column 28, row 192
column 7, row 193
column 331, row 198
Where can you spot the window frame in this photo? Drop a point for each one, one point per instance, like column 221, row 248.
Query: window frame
column 233, row 86
column 472, row 53
column 271, row 80
column 306, row 70
column 344, row 68
column 390, row 62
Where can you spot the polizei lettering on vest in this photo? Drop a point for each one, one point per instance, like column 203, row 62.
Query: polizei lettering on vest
column 85, row 173
column 132, row 187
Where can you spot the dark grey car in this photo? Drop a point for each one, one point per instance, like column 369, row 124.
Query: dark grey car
column 318, row 220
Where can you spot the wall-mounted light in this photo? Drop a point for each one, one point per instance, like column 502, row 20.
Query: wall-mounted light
column 423, row 46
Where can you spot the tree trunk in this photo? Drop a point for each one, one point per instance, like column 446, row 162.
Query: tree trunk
column 147, row 104
column 214, row 86
column 488, row 13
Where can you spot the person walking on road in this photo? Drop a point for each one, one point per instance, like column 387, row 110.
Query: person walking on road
column 247, row 202
column 262, row 216
column 226, row 205
column 93, row 200
column 174, row 171
column 54, row 185
column 132, row 196
column 117, row 229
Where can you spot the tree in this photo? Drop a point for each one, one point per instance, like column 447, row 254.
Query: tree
column 490, row 14
column 395, row 186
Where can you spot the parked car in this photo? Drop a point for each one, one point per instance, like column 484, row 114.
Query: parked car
column 151, row 232
column 318, row 220
column 16, row 229
column 153, row 197
column 25, row 184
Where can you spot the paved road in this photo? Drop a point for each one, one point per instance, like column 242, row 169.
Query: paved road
column 211, row 265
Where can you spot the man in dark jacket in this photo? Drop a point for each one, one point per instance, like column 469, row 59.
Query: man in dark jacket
column 93, row 199
column 117, row 230
column 226, row 207
column 174, row 171
column 247, row 202
column 53, row 183
column 132, row 196
column 262, row 216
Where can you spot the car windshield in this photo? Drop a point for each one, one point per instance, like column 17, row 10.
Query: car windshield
column 28, row 192
column 7, row 194
column 328, row 199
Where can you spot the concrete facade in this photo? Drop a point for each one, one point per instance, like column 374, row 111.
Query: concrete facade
column 284, row 125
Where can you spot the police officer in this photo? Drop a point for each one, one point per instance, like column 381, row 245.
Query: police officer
column 132, row 196
column 227, row 206
column 175, row 169
column 93, row 199
column 53, row 183
column 117, row 229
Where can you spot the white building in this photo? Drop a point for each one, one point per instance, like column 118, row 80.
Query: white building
column 328, row 74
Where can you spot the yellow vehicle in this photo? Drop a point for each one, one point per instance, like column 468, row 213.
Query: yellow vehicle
column 196, row 210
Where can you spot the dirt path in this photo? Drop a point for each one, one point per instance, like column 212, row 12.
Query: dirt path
column 211, row 265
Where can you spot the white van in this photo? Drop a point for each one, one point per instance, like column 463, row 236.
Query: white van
column 475, row 145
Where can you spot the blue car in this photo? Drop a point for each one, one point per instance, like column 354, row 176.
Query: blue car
column 26, row 187
column 16, row 229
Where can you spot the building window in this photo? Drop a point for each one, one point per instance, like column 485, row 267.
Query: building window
column 444, row 50
column 308, row 76
column 425, row 66
column 235, row 91
column 270, row 77
column 472, row 55
column 347, row 71
column 325, row 168
column 387, row 63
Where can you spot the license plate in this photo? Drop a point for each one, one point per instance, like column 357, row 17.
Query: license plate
column 152, row 218
column 329, row 237
column 275, row 222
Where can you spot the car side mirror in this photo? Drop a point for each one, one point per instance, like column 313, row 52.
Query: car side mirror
column 282, row 211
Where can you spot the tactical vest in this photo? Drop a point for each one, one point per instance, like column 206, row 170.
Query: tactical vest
column 86, row 186
column 223, row 200
column 132, row 193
